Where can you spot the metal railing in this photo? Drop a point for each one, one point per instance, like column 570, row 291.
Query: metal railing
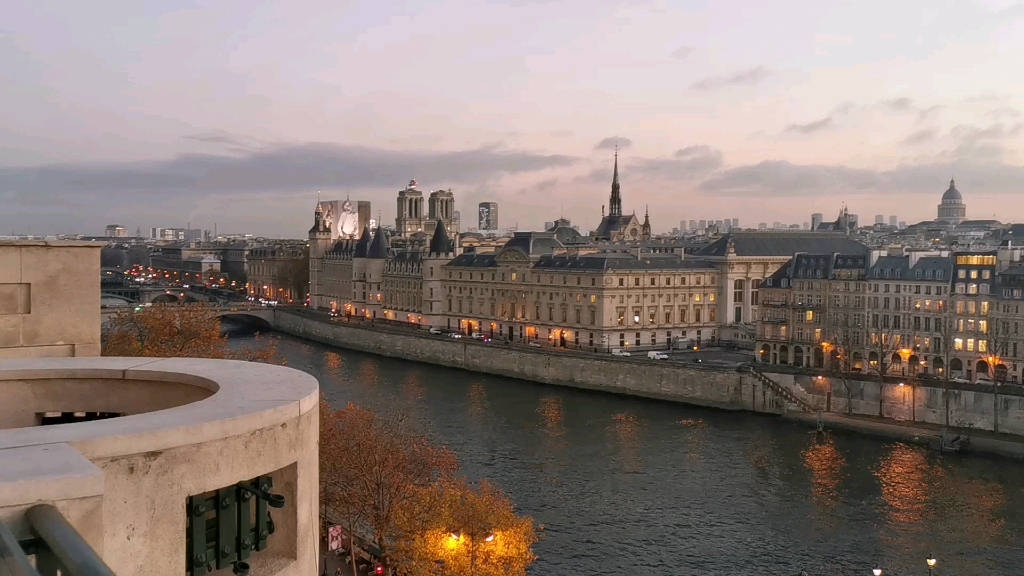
column 57, row 547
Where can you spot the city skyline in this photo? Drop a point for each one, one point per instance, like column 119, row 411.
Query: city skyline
column 153, row 117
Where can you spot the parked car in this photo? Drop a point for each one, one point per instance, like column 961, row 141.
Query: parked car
column 960, row 380
column 455, row 335
column 620, row 352
column 983, row 379
column 334, row 313
column 534, row 344
column 477, row 336
column 655, row 355
column 926, row 376
column 434, row 330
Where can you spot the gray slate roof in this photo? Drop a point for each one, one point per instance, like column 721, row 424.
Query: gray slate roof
column 613, row 261
column 782, row 244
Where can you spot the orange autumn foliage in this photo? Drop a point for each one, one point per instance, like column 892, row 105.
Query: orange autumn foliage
column 173, row 331
column 455, row 529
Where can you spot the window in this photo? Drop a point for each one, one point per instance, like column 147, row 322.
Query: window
column 654, row 281
column 958, row 344
column 738, row 314
column 961, row 274
column 970, row 344
column 984, row 309
column 754, row 285
column 982, row 327
column 593, row 299
column 636, row 282
column 622, row 281
column 636, row 338
column 593, row 317
column 622, row 339
column 650, row 316
column 654, row 338
column 809, row 316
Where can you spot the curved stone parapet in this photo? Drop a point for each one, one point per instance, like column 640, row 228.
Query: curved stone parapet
column 189, row 427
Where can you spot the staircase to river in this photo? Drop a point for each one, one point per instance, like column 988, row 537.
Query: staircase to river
column 782, row 391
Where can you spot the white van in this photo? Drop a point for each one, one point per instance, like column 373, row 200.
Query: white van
column 619, row 352
column 655, row 355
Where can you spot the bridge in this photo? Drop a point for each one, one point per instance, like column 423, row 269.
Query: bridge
column 263, row 315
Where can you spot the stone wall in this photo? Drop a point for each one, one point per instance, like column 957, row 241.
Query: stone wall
column 697, row 385
column 991, row 408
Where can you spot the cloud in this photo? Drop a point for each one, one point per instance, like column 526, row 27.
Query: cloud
column 1000, row 113
column 750, row 77
column 921, row 136
column 687, row 164
column 899, row 104
column 310, row 166
column 987, row 96
column 812, row 127
column 682, row 52
column 562, row 133
column 926, row 114
column 610, row 143
column 977, row 143
column 779, row 178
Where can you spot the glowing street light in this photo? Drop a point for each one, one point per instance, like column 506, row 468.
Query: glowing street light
column 876, row 571
column 931, row 562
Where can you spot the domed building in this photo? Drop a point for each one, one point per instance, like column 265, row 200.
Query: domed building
column 952, row 208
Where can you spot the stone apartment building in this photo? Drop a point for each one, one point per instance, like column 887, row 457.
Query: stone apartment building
column 278, row 271
column 529, row 292
column 906, row 314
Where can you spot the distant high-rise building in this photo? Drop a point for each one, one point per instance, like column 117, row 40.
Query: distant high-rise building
column 702, row 225
column 776, row 225
column 879, row 219
column 115, row 231
column 736, row 223
column 854, row 220
column 682, row 225
column 893, row 221
column 762, row 225
column 902, row 224
column 693, row 225
column 156, row 233
column 488, row 216
column 816, row 219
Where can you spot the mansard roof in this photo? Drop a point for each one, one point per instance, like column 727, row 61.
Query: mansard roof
column 780, row 244
column 604, row 262
column 439, row 242
column 379, row 248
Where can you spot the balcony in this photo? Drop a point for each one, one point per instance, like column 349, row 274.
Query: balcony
column 775, row 303
column 113, row 463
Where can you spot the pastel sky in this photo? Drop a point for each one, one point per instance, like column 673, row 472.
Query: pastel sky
column 158, row 113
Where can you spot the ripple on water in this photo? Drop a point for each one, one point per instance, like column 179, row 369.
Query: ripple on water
column 627, row 486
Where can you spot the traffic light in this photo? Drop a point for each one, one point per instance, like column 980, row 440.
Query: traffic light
column 379, row 570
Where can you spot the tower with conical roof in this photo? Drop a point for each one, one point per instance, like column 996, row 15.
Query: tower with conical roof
column 319, row 244
column 615, row 202
column 442, row 250
column 645, row 229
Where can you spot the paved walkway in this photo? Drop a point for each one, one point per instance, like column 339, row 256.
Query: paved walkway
column 916, row 432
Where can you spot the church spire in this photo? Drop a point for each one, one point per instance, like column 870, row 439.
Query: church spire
column 615, row 204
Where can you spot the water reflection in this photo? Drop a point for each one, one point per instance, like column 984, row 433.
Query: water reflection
column 904, row 475
column 722, row 494
column 825, row 463
column 628, row 441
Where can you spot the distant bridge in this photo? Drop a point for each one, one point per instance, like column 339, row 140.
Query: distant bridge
column 155, row 294
column 260, row 313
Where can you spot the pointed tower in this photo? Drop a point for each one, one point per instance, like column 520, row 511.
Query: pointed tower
column 615, row 203
column 645, row 229
column 319, row 244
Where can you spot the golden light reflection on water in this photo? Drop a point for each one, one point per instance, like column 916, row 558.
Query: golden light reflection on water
column 412, row 388
column 477, row 400
column 552, row 416
column 332, row 365
column 696, row 438
column 368, row 372
column 628, row 438
column 826, row 465
column 904, row 475
column 971, row 510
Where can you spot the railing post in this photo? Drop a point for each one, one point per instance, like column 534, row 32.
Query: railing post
column 13, row 559
column 67, row 545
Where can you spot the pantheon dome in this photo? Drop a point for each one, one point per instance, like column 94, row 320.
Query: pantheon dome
column 952, row 208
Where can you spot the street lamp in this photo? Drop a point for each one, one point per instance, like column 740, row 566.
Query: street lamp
column 931, row 562
column 876, row 571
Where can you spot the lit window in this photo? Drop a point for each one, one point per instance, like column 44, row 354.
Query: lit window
column 982, row 345
column 810, row 316
column 958, row 343
column 970, row 344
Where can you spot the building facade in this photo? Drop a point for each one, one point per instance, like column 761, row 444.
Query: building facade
column 278, row 272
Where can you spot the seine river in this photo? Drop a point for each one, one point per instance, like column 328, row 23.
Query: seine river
column 627, row 486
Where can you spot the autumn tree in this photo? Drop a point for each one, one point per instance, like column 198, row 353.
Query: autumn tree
column 455, row 529
column 375, row 466
column 172, row 331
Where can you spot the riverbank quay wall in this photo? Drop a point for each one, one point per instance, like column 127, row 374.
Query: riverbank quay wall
column 997, row 409
column 984, row 407
column 696, row 385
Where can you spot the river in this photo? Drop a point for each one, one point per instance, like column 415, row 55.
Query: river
column 627, row 486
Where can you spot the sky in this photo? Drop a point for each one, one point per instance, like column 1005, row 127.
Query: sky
column 236, row 113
